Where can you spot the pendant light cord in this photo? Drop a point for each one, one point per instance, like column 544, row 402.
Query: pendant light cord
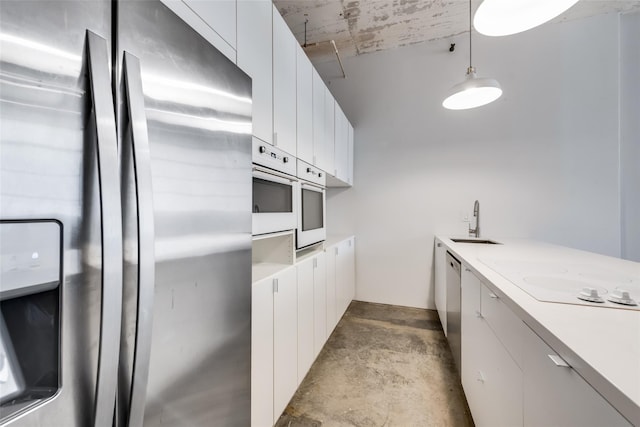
column 470, row 50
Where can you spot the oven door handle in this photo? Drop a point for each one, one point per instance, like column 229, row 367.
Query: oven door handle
column 272, row 176
column 312, row 187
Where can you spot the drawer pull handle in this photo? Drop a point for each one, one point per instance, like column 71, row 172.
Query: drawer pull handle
column 439, row 245
column 559, row 361
column 493, row 296
column 466, row 269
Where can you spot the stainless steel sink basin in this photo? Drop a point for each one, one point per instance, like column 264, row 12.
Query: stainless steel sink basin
column 482, row 241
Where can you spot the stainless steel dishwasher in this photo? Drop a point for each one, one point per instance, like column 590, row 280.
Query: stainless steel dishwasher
column 453, row 308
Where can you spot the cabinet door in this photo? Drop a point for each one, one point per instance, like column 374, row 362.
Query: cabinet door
column 491, row 379
column 211, row 30
column 471, row 338
column 319, row 143
column 255, row 58
column 332, row 311
column 305, row 317
column 350, row 160
column 329, row 137
column 304, row 108
column 341, row 144
column 284, row 85
column 557, row 395
column 319, row 303
column 440, row 267
column 262, row 353
column 285, row 340
column 345, row 276
column 350, row 267
column 220, row 15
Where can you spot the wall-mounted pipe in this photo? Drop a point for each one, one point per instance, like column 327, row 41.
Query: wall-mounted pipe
column 335, row 48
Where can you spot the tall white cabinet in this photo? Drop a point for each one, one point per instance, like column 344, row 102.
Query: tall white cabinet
column 254, row 43
column 304, row 110
column 284, row 85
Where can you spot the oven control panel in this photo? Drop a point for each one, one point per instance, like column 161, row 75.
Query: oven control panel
column 311, row 173
column 273, row 158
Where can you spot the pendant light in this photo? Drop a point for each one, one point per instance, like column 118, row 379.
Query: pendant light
column 473, row 91
column 505, row 17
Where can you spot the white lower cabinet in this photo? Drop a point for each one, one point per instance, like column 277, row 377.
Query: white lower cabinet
column 332, row 310
column 511, row 377
column 319, row 303
column 556, row 395
column 340, row 280
column 285, row 339
column 491, row 379
column 345, row 275
column 292, row 315
column 305, row 316
column 441, row 283
column 262, row 353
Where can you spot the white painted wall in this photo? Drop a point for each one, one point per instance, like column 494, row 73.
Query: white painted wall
column 630, row 135
column 543, row 160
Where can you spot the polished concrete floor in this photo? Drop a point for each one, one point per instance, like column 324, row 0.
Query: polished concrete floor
column 382, row 366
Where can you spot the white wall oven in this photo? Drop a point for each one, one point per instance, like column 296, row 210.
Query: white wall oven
column 275, row 190
column 311, row 206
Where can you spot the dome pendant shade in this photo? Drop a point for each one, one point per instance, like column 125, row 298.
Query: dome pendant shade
column 473, row 92
column 505, row 17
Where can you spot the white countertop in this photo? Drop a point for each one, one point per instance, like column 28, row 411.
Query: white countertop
column 601, row 344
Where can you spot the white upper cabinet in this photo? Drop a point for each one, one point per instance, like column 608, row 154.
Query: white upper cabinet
column 350, row 160
column 254, row 57
column 213, row 20
column 220, row 15
column 304, row 96
column 284, row 85
column 328, row 152
column 341, row 145
column 318, row 94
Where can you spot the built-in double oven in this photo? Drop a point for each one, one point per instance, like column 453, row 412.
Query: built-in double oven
column 275, row 189
column 311, row 206
column 288, row 194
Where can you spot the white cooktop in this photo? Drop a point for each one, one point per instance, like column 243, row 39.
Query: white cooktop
column 548, row 281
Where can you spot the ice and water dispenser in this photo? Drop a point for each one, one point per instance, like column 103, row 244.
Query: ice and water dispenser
column 30, row 299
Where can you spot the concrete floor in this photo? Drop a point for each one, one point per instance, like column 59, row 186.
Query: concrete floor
column 382, row 366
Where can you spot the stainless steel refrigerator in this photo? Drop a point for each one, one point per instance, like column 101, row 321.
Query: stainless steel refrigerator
column 125, row 219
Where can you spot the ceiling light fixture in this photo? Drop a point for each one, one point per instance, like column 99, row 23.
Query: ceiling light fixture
column 474, row 91
column 505, row 17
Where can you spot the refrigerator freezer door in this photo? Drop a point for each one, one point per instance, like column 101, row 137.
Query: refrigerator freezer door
column 57, row 138
column 198, row 109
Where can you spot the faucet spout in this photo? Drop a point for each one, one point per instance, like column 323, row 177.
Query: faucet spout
column 476, row 213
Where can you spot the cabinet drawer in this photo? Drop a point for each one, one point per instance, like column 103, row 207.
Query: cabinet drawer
column 505, row 324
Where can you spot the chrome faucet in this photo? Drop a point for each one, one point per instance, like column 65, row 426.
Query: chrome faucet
column 476, row 213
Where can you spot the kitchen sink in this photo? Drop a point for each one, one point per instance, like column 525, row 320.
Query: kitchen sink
column 482, row 241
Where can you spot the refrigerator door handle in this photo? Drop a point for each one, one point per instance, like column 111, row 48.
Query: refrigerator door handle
column 134, row 99
column 111, row 228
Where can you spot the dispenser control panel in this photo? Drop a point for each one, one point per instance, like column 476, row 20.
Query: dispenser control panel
column 30, row 257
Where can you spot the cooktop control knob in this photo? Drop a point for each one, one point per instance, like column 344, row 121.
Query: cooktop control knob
column 262, row 149
column 285, row 160
column 590, row 294
column 620, row 296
